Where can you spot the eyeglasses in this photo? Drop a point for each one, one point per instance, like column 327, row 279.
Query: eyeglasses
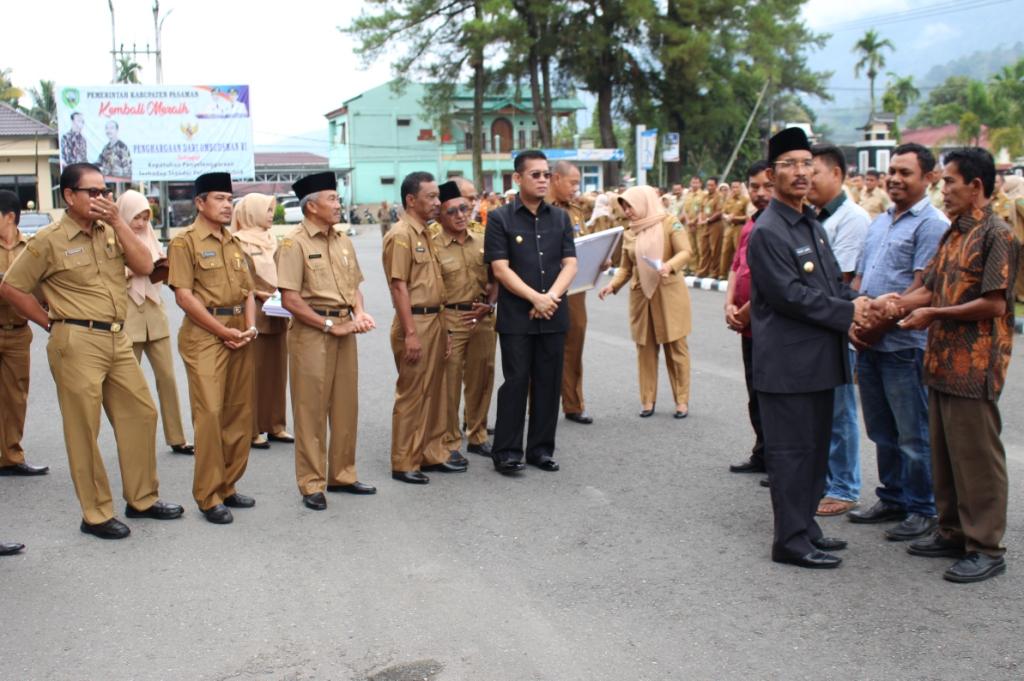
column 455, row 210
column 537, row 174
column 93, row 192
column 789, row 164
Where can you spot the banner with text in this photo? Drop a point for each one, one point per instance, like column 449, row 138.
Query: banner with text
column 648, row 146
column 670, row 148
column 157, row 132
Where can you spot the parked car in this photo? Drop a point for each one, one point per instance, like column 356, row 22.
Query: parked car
column 30, row 223
column 292, row 212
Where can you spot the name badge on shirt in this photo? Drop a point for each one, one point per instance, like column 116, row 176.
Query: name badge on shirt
column 803, row 250
column 421, row 249
column 74, row 251
column 314, row 256
column 208, row 254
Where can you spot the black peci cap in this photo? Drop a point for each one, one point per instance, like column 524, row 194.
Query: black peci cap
column 790, row 139
column 449, row 190
column 213, row 182
column 317, row 182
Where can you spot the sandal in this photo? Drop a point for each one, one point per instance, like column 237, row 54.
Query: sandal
column 829, row 506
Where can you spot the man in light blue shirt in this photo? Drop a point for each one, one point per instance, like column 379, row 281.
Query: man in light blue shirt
column 900, row 243
column 846, row 224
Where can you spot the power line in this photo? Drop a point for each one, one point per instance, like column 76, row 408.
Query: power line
column 913, row 14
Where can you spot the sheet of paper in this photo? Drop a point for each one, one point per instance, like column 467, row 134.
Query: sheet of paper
column 653, row 262
column 272, row 307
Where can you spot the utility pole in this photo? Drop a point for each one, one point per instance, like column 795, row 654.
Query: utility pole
column 113, row 44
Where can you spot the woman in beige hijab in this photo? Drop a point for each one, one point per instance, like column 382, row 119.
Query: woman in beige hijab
column 1013, row 187
column 655, row 250
column 251, row 222
column 146, row 323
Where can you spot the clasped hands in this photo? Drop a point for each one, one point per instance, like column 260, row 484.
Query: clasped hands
column 544, row 305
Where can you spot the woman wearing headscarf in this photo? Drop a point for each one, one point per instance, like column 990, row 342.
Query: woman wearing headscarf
column 251, row 222
column 146, row 322
column 655, row 250
column 1013, row 187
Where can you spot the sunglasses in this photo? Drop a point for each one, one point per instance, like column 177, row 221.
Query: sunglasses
column 92, row 191
column 455, row 210
column 537, row 174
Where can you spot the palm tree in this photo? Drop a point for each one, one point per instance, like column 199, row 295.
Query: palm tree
column 44, row 103
column 128, row 70
column 1007, row 93
column 8, row 93
column 872, row 60
column 898, row 97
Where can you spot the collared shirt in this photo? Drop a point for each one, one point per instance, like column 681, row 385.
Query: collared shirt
column 691, row 205
column 577, row 216
column 874, row 201
column 534, row 246
column 463, row 267
column 893, row 252
column 321, row 267
column 81, row 275
column 73, row 148
column 975, row 257
column 846, row 224
column 211, row 264
column 409, row 255
column 713, row 204
column 7, row 256
column 735, row 209
column 741, row 284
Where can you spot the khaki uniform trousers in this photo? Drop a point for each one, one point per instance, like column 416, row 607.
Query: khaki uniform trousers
column 14, row 378
column 220, row 389
column 677, row 361
column 93, row 368
column 418, row 418
column 270, row 359
column 710, row 237
column 730, row 242
column 162, row 362
column 694, row 265
column 968, row 471
column 325, row 389
column 572, row 365
column 471, row 364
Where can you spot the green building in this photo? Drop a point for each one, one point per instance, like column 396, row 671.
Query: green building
column 379, row 137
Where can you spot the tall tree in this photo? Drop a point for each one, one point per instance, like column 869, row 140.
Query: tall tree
column 441, row 38
column 128, row 70
column 1007, row 92
column 899, row 96
column 872, row 61
column 44, row 103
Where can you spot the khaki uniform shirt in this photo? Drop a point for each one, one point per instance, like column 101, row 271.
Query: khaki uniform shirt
column 8, row 317
column 577, row 216
column 146, row 322
column 212, row 265
column 736, row 211
column 409, row 255
column 81, row 276
column 874, row 202
column 1002, row 205
column 712, row 205
column 463, row 267
column 691, row 207
column 321, row 267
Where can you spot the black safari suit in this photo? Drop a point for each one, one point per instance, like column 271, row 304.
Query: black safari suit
column 800, row 314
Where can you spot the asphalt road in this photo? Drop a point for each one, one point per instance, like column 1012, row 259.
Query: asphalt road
column 642, row 559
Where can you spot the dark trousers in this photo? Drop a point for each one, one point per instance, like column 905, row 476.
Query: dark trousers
column 797, row 430
column 757, row 453
column 532, row 367
column 969, row 469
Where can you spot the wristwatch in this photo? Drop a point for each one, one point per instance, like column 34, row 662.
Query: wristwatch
column 255, row 332
column 328, row 323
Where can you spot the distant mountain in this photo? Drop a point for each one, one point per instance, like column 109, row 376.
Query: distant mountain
column 980, row 65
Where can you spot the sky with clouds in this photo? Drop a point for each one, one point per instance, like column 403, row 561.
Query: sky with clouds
column 300, row 66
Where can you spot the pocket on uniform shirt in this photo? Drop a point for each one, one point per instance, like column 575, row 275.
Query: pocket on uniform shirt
column 319, row 272
column 450, row 265
column 211, row 272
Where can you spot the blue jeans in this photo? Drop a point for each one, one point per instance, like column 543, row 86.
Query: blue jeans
column 895, row 404
column 843, row 478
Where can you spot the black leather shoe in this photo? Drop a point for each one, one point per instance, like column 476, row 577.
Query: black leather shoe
column 411, row 477
column 112, row 529
column 646, row 413
column 24, row 469
column 219, row 515
column 10, row 549
column 187, row 450
column 915, row 525
column 490, row 431
column 766, row 482
column 483, row 449
column 549, row 465
column 264, row 444
column 283, row 436
column 881, row 512
column 815, row 560
column 355, row 488
column 680, row 414
column 506, row 467
column 829, row 544
column 237, row 500
column 316, row 501
column 582, row 418
column 457, row 459
column 158, row 511
column 445, row 467
column 751, row 465
column 975, row 567
column 936, row 546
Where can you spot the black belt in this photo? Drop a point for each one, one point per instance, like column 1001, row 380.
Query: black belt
column 12, row 327
column 464, row 307
column 426, row 310
column 226, row 311
column 343, row 312
column 113, row 327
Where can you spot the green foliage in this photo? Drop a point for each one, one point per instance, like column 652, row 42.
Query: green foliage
column 127, row 70
column 44, row 103
column 279, row 214
column 871, row 61
column 9, row 94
